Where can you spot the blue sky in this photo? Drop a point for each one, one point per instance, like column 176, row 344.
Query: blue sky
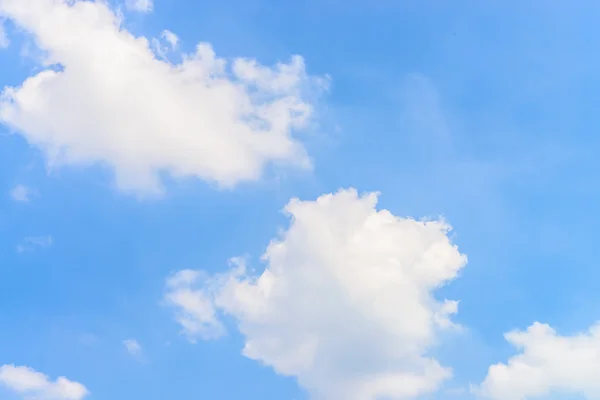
column 481, row 113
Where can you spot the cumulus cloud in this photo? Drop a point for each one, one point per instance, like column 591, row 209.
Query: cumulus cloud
column 133, row 347
column 21, row 193
column 106, row 97
column 547, row 364
column 345, row 304
column 144, row 6
column 31, row 384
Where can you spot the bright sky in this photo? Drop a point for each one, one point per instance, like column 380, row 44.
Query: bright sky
column 318, row 199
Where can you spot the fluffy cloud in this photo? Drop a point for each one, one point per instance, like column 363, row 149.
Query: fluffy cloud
column 548, row 364
column 345, row 304
column 35, row 385
column 144, row 6
column 105, row 97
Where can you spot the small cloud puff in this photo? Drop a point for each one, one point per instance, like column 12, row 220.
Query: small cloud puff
column 4, row 42
column 133, row 347
column 21, row 194
column 143, row 6
column 32, row 243
column 171, row 38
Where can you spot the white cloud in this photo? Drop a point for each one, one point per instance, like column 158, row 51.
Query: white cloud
column 21, row 193
column 133, row 347
column 144, row 6
column 171, row 38
column 35, row 385
column 195, row 310
column 346, row 303
column 114, row 102
column 160, row 49
column 548, row 364
column 32, row 243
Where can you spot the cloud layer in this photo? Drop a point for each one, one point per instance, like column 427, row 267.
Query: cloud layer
column 34, row 385
column 104, row 96
column 346, row 303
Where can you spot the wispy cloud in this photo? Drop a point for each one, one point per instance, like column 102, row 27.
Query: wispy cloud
column 21, row 193
column 133, row 347
column 171, row 38
column 144, row 6
column 32, row 243
column 4, row 42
